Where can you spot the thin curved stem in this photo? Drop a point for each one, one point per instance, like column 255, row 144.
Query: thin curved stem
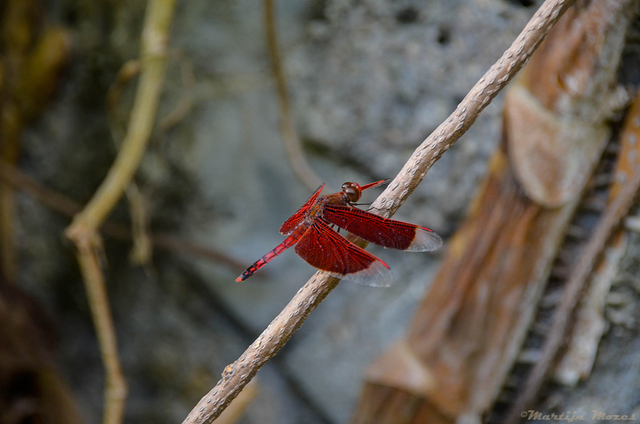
column 143, row 115
column 83, row 231
column 295, row 155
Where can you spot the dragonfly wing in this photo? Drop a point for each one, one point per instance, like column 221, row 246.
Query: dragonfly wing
column 295, row 220
column 327, row 250
column 385, row 232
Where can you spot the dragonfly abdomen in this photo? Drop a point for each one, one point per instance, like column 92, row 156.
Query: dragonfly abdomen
column 287, row 243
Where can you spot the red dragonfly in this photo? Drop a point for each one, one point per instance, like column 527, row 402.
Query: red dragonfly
column 325, row 249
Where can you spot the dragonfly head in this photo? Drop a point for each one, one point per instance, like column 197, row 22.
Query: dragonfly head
column 352, row 191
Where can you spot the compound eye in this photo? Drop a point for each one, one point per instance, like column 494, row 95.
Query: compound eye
column 352, row 191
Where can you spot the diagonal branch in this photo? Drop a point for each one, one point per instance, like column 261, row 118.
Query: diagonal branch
column 238, row 374
column 467, row 112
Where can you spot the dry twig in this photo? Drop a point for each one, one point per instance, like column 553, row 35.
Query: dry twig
column 240, row 404
column 154, row 40
column 238, row 374
column 89, row 254
column 301, row 168
column 83, row 231
column 141, row 251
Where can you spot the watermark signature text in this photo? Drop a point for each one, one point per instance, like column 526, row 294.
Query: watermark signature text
column 570, row 416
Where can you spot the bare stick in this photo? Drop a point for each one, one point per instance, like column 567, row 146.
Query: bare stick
column 480, row 95
column 141, row 251
column 115, row 386
column 237, row 408
column 238, row 374
column 83, row 231
column 297, row 160
column 154, row 46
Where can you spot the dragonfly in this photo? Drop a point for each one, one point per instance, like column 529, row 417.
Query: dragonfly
column 311, row 230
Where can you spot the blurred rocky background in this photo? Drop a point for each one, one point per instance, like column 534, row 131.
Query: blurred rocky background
column 368, row 81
